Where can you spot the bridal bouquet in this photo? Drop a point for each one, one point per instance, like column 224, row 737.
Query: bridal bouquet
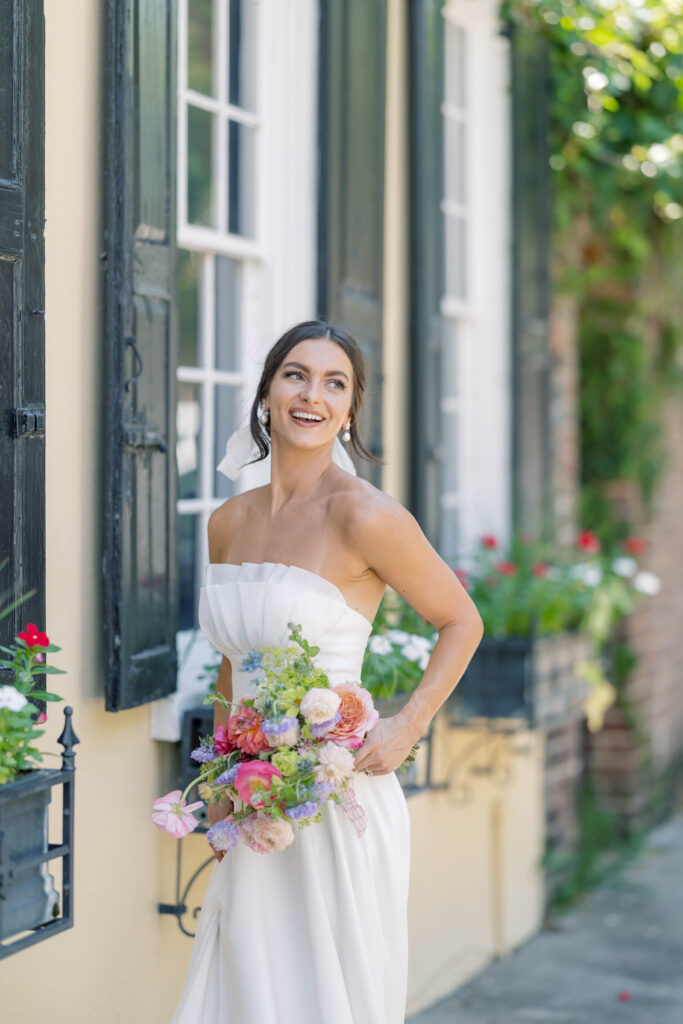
column 281, row 755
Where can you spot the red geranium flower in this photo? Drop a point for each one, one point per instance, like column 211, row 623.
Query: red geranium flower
column 32, row 638
column 635, row 545
column 489, row 541
column 506, row 568
column 588, row 542
column 540, row 569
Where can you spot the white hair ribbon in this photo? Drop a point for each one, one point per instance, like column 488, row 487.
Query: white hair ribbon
column 241, row 449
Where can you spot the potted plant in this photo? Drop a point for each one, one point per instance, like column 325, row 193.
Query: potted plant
column 547, row 617
column 28, row 898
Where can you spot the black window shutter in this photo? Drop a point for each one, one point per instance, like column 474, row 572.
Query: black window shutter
column 139, row 572
column 352, row 73
column 427, row 260
column 22, row 323
column 531, row 282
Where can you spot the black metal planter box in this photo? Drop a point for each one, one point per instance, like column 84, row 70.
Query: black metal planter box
column 29, row 901
column 531, row 679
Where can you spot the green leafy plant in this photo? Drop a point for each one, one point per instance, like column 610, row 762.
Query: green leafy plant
column 19, row 714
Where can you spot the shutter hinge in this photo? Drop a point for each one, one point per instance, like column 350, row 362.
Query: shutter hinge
column 28, row 421
column 140, row 436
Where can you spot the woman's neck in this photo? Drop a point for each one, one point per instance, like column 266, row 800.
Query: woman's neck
column 295, row 475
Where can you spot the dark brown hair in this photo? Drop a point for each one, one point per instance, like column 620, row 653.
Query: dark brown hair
column 304, row 331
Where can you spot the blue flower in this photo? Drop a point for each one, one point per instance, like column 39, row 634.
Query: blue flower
column 223, row 835
column 228, row 777
column 203, row 753
column 274, row 728
column 321, row 728
column 305, row 810
column 323, row 789
column 252, row 661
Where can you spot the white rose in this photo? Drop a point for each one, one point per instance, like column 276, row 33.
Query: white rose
column 647, row 583
column 624, row 566
column 380, row 644
column 320, row 705
column 398, row 636
column 335, row 763
column 11, row 699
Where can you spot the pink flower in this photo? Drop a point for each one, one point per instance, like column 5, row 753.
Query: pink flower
column 506, row 568
column 244, row 731
column 488, row 541
column 254, row 779
column 635, row 545
column 264, row 834
column 540, row 569
column 221, row 740
column 174, row 816
column 358, row 715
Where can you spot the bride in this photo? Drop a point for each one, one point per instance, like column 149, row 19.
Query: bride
column 316, row 933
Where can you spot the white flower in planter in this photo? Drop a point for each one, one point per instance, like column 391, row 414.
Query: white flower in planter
column 624, row 566
column 380, row 644
column 647, row 583
column 11, row 699
column 418, row 648
column 589, row 574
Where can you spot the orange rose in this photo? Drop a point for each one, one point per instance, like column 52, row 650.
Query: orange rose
column 358, row 715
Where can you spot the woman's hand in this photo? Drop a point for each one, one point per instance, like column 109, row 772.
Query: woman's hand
column 216, row 811
column 386, row 746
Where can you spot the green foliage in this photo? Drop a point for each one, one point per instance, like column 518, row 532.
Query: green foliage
column 617, row 156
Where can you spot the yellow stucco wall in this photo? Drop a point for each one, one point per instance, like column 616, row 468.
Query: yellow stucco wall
column 475, row 884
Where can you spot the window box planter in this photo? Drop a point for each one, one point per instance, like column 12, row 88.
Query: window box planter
column 529, row 679
column 29, row 900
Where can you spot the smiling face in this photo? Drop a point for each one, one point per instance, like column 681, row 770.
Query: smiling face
column 310, row 394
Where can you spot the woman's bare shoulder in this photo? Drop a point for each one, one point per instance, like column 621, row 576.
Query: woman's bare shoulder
column 363, row 508
column 225, row 520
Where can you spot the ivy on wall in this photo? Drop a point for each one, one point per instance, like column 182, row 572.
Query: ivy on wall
column 617, row 156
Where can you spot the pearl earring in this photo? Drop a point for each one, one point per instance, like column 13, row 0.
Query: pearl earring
column 264, row 415
column 346, row 436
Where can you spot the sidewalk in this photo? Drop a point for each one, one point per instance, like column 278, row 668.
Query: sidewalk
column 617, row 956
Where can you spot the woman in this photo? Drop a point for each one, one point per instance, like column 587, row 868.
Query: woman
column 317, row 933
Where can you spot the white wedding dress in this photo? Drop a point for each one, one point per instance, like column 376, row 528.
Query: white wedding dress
column 315, row 933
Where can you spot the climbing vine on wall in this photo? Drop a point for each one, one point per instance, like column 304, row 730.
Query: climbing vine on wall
column 617, row 158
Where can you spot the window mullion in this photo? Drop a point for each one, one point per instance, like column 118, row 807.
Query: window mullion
column 207, row 321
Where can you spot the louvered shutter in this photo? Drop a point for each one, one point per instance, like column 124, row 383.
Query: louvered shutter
column 531, row 281
column 351, row 181
column 22, row 323
column 139, row 574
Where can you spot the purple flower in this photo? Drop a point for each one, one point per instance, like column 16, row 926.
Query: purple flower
column 223, row 835
column 251, row 662
column 323, row 789
column 323, row 727
column 228, row 777
column 305, row 810
column 203, row 753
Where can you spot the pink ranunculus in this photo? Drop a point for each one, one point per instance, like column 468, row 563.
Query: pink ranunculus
column 221, row 740
column 173, row 815
column 264, row 834
column 358, row 715
column 254, row 779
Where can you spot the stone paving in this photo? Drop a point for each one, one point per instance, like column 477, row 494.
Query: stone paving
column 616, row 956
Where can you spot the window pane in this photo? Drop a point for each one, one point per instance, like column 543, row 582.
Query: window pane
column 199, row 149
column 226, row 420
column 241, row 171
column 187, row 445
column 456, row 250
column 199, row 40
column 454, row 66
column 188, row 553
column 227, row 314
column 449, row 535
column 454, row 171
column 242, row 51
column 189, row 264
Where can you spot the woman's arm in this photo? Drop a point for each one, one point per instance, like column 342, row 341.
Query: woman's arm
column 224, row 687
column 394, row 546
